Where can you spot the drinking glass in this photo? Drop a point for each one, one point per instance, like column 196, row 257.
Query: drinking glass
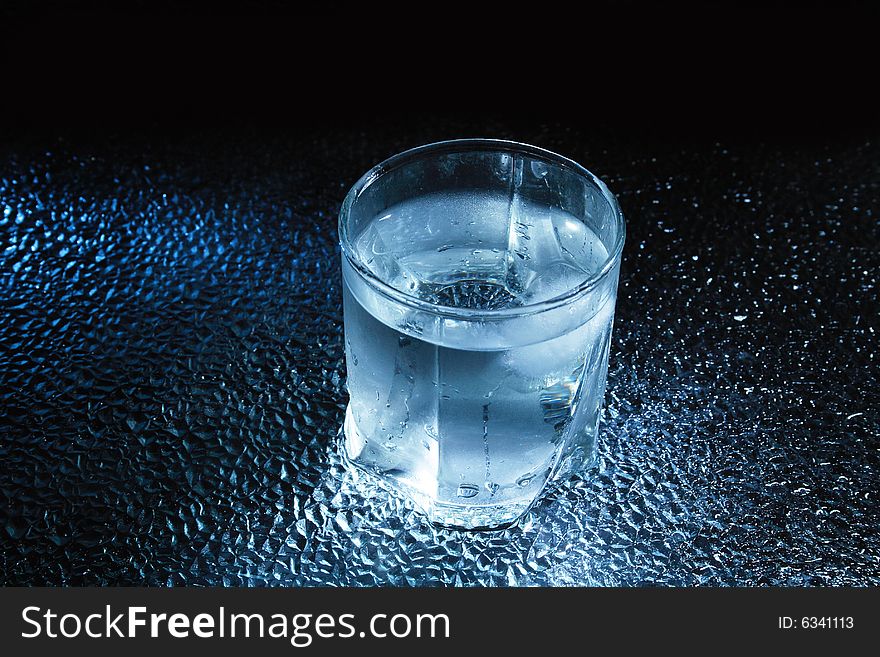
column 479, row 283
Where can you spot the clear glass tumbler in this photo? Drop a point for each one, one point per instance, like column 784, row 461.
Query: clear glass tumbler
column 479, row 283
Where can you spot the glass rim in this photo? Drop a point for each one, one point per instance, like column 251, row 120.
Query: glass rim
column 487, row 145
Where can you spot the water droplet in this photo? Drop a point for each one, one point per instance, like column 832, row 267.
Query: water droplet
column 524, row 481
column 467, row 490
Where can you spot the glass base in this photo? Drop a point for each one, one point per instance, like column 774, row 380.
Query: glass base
column 458, row 516
column 419, row 482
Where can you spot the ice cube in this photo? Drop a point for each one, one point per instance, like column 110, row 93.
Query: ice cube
column 380, row 250
column 558, row 357
column 554, row 280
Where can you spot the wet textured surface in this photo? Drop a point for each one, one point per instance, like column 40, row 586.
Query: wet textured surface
column 172, row 372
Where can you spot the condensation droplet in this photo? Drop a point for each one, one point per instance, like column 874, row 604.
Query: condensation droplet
column 467, row 490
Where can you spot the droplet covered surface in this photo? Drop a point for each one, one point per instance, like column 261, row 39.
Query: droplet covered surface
column 172, row 372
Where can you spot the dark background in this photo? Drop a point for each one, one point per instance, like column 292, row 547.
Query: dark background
column 171, row 364
column 659, row 70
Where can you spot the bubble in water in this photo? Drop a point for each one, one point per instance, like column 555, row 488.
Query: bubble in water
column 524, row 481
column 467, row 490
